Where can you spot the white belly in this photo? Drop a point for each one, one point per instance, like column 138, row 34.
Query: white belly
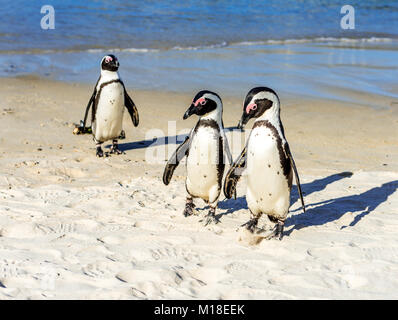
column 109, row 116
column 202, row 163
column 267, row 187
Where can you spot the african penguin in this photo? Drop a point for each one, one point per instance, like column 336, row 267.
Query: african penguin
column 108, row 101
column 268, row 162
column 205, row 148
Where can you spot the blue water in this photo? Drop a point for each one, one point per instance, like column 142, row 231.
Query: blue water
column 166, row 24
column 297, row 47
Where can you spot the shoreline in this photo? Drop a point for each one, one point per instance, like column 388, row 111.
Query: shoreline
column 311, row 127
column 320, row 70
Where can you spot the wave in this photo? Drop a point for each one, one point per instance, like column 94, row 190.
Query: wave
column 91, row 50
column 211, row 46
column 204, row 47
column 143, row 50
column 314, row 40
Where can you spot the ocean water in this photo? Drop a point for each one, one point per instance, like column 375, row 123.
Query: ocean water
column 296, row 47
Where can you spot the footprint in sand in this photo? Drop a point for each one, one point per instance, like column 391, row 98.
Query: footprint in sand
column 56, row 228
column 100, row 269
column 9, row 268
column 381, row 254
column 174, row 254
column 83, row 225
column 236, row 267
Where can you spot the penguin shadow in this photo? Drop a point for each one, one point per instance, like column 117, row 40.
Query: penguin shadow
column 318, row 185
column 332, row 210
column 232, row 205
column 157, row 141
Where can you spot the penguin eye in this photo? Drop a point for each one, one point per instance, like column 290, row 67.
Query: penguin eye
column 202, row 101
column 251, row 107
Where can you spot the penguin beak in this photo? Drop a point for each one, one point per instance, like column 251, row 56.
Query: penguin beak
column 240, row 125
column 243, row 121
column 189, row 112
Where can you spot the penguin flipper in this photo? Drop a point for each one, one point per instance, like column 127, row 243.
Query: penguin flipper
column 82, row 129
column 234, row 173
column 296, row 175
column 174, row 160
column 132, row 109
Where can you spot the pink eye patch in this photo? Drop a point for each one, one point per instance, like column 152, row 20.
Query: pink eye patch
column 108, row 58
column 251, row 106
column 202, row 101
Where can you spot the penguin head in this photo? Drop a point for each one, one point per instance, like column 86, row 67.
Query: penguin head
column 204, row 103
column 260, row 101
column 110, row 63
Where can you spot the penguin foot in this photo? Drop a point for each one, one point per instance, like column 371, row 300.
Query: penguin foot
column 251, row 225
column 210, row 218
column 115, row 150
column 81, row 129
column 122, row 135
column 99, row 152
column 277, row 232
column 189, row 206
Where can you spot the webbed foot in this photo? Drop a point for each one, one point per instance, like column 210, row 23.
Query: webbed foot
column 189, row 206
column 210, row 218
column 277, row 232
column 99, row 152
column 115, row 148
column 251, row 225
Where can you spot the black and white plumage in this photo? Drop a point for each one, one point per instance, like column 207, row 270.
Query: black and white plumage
column 205, row 148
column 267, row 160
column 107, row 105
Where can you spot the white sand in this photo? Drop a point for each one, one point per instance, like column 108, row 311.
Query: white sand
column 76, row 227
column 125, row 241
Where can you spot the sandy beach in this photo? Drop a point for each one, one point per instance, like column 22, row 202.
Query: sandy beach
column 73, row 226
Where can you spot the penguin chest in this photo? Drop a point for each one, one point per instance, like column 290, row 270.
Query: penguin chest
column 205, row 164
column 267, row 186
column 109, row 113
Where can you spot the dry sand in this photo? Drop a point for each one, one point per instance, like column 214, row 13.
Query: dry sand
column 77, row 227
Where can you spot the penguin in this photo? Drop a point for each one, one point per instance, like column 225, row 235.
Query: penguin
column 108, row 101
column 204, row 148
column 268, row 162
